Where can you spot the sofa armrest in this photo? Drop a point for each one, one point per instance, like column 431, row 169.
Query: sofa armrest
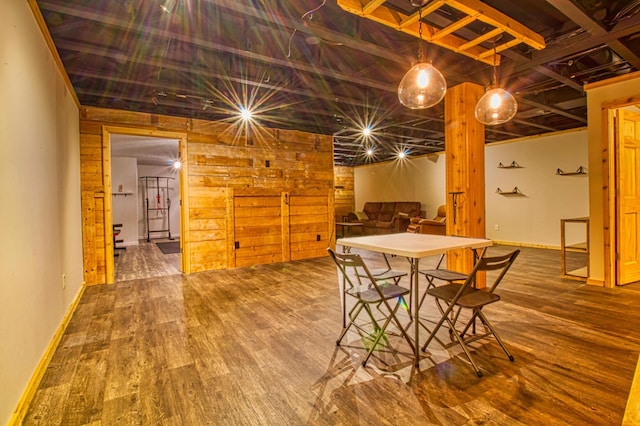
column 401, row 222
column 429, row 226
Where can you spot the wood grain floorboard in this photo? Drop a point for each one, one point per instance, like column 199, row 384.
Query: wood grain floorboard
column 256, row 346
column 145, row 260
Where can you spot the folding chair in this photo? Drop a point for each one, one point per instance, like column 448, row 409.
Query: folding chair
column 466, row 297
column 357, row 282
column 443, row 274
column 386, row 274
column 382, row 274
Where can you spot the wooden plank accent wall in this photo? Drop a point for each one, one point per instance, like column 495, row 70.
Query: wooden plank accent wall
column 222, row 164
column 344, row 188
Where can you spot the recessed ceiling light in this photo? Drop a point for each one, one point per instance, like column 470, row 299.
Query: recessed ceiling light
column 245, row 113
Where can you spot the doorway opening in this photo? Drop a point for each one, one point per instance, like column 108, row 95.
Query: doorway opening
column 145, row 176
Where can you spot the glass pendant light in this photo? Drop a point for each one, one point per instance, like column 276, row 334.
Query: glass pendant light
column 423, row 85
column 496, row 106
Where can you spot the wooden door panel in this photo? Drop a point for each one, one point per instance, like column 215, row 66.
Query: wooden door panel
column 628, row 199
column 257, row 230
column 629, row 246
column 309, row 226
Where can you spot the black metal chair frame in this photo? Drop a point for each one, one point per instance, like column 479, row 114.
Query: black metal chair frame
column 359, row 283
column 385, row 274
column 466, row 297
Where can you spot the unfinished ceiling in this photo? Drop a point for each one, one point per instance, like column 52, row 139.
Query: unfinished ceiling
column 313, row 66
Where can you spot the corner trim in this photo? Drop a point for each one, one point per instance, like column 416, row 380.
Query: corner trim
column 632, row 412
column 27, row 396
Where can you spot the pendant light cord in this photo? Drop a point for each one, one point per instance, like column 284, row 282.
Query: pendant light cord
column 420, row 46
column 495, row 68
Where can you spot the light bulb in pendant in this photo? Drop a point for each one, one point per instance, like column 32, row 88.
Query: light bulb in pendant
column 496, row 106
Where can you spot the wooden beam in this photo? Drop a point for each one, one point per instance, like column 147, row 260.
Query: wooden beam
column 491, row 16
column 371, row 6
column 464, row 150
column 444, row 37
column 408, row 24
column 427, row 10
column 453, row 27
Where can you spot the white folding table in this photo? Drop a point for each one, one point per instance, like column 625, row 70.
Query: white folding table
column 414, row 247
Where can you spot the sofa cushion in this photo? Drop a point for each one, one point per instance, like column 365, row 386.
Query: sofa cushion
column 372, row 210
column 411, row 208
column 389, row 216
column 384, row 225
column 369, row 223
column 387, row 212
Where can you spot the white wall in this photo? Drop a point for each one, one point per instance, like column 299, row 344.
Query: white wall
column 532, row 219
column 535, row 217
column 124, row 171
column 390, row 181
column 430, row 175
column 40, row 214
column 158, row 220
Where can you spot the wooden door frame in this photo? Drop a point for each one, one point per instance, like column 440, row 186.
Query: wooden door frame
column 610, row 187
column 183, row 176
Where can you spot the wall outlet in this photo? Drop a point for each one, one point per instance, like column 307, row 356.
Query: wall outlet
column 496, row 227
column 64, row 281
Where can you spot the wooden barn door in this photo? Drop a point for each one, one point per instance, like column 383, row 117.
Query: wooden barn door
column 257, row 229
column 310, row 225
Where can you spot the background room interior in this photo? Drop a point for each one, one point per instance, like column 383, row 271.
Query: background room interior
column 530, row 217
column 54, row 190
column 134, row 158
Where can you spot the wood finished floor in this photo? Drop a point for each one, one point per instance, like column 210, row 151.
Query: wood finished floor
column 256, row 346
column 145, row 260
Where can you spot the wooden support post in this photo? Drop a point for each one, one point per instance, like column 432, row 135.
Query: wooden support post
column 464, row 149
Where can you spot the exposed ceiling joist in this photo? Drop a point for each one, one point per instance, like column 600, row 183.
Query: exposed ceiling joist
column 319, row 69
column 573, row 12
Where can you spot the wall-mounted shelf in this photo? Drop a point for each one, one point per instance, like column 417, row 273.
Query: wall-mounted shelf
column 122, row 193
column 513, row 165
column 514, row 191
column 581, row 171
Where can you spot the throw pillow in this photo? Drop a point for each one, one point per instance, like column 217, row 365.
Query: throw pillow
column 361, row 216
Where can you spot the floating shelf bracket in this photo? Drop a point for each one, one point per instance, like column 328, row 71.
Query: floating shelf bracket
column 581, row 171
column 513, row 165
column 514, row 191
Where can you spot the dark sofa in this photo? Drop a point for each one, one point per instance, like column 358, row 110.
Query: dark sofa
column 386, row 217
